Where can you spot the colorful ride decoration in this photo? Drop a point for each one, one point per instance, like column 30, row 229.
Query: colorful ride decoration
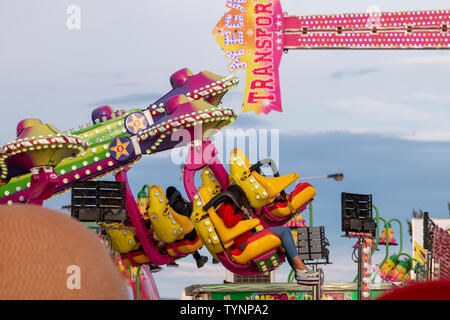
column 390, row 236
column 110, row 143
column 37, row 145
column 254, row 34
column 142, row 200
column 387, row 267
column 38, row 149
column 396, row 270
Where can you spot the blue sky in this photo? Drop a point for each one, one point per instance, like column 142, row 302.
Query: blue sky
column 379, row 117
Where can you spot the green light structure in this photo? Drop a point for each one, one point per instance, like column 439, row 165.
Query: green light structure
column 377, row 243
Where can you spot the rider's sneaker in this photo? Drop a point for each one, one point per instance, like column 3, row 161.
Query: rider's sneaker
column 201, row 261
column 307, row 275
column 154, row 269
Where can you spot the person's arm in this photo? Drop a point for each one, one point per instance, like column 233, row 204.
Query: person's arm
column 230, row 218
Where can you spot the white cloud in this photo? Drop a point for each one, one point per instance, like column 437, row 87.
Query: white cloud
column 372, row 110
column 442, row 61
column 390, row 132
column 443, row 136
column 401, row 119
column 428, row 97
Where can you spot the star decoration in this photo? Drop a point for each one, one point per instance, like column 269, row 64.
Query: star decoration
column 120, row 149
column 135, row 123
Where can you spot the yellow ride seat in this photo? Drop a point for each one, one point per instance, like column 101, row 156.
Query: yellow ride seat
column 122, row 240
column 210, row 182
column 185, row 246
column 185, row 223
column 213, row 225
column 256, row 245
column 260, row 190
column 227, row 235
column 204, row 224
column 302, row 193
column 162, row 217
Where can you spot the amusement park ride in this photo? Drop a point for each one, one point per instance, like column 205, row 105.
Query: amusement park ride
column 43, row 162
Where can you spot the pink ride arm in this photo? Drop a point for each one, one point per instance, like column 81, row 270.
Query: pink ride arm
column 197, row 158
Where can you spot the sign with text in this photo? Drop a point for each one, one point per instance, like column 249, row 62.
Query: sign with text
column 251, row 35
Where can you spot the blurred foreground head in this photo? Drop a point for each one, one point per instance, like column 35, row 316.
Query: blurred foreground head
column 49, row 255
column 430, row 290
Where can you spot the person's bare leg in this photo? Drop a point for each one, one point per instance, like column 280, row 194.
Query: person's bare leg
column 299, row 265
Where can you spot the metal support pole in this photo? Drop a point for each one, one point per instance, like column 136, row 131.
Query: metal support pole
column 429, row 266
column 364, row 264
column 316, row 288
